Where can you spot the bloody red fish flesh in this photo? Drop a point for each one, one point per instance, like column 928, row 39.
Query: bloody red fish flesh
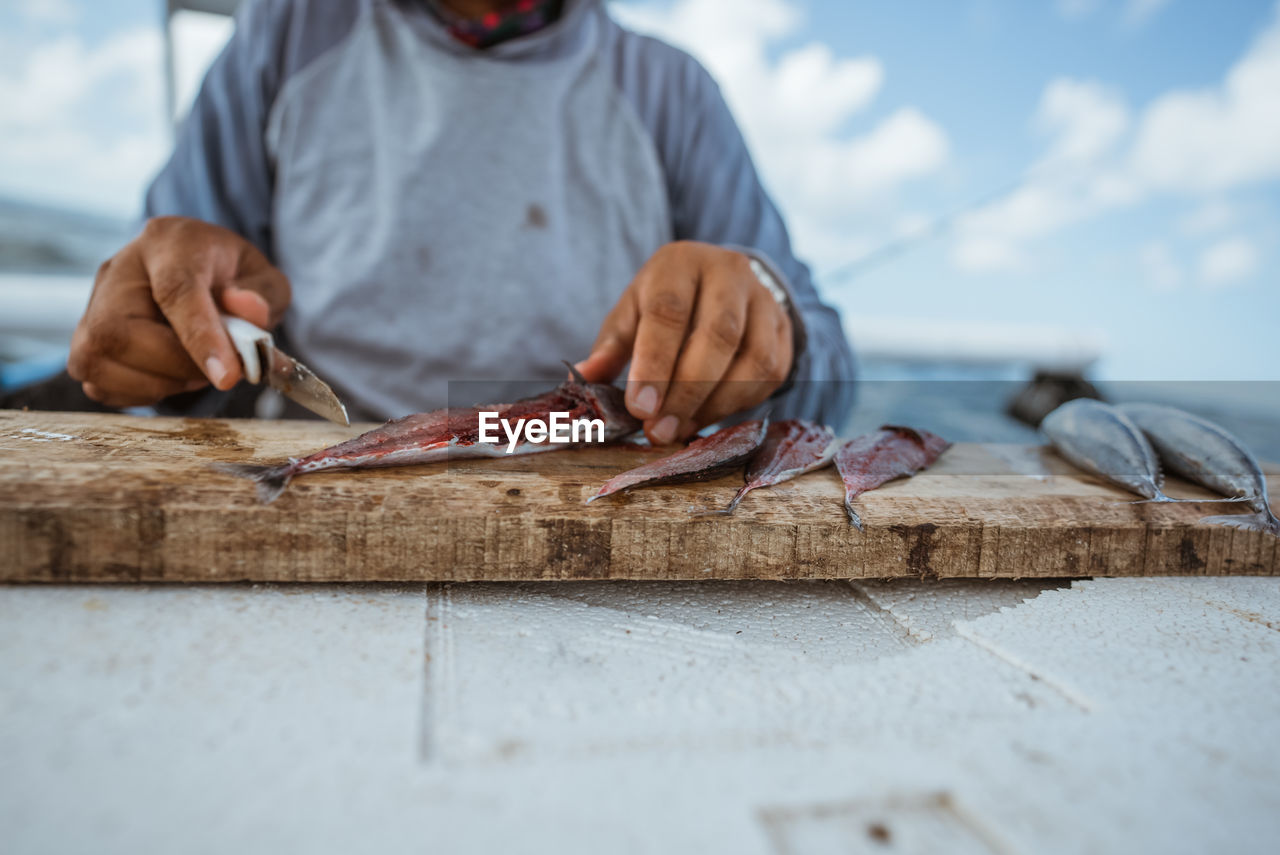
column 868, row 461
column 701, row 460
column 454, row 432
column 791, row 448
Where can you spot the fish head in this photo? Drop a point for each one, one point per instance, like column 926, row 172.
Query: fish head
column 608, row 402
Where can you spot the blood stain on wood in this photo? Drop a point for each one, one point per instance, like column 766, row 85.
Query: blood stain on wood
column 202, row 434
column 920, row 550
column 1188, row 555
column 576, row 549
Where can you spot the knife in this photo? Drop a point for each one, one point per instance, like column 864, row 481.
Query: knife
column 263, row 361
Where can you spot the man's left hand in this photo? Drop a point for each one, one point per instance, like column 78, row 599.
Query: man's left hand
column 704, row 337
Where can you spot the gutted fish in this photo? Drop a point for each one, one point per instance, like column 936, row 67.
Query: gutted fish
column 701, row 460
column 441, row 434
column 791, row 448
column 1206, row 454
column 867, row 461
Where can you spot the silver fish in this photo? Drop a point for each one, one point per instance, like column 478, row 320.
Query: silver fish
column 1204, row 453
column 1100, row 439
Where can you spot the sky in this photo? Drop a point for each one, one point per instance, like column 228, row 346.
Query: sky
column 1104, row 166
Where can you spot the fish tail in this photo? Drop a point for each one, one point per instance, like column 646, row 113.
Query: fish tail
column 1265, row 522
column 727, row 509
column 270, row 480
column 737, row 497
column 854, row 519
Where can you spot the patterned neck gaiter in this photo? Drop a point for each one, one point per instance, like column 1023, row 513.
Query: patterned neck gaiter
column 525, row 17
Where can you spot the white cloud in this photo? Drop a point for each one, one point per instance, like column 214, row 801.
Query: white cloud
column 1099, row 158
column 1084, row 119
column 1214, row 139
column 912, row 224
column 795, row 110
column 905, row 145
column 1227, row 261
column 1208, row 218
column 1084, row 122
column 1029, row 212
column 985, row 253
column 55, row 143
column 1162, row 272
column 1138, row 12
column 58, row 12
column 198, row 38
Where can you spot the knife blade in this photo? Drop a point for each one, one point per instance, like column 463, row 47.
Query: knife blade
column 299, row 383
column 264, row 362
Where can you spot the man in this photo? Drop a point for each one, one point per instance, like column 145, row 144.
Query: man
column 428, row 190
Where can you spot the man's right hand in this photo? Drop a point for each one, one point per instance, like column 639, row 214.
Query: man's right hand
column 152, row 330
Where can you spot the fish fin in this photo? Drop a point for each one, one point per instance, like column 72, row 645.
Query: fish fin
column 854, row 519
column 1263, row 522
column 574, row 372
column 1157, row 500
column 1163, row 499
column 270, row 480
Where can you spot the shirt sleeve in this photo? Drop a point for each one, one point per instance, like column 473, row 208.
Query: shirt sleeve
column 219, row 170
column 717, row 197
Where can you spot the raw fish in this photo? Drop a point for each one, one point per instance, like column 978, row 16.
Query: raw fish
column 791, row 448
column 1104, row 441
column 701, row 460
column 441, row 434
column 1101, row 439
column 868, row 461
column 1206, row 454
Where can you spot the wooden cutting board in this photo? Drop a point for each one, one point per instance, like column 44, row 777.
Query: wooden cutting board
column 92, row 498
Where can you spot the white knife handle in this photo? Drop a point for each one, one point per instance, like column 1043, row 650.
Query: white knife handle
column 246, row 337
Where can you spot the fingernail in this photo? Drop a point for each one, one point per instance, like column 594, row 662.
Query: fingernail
column 647, row 401
column 665, row 430
column 215, row 370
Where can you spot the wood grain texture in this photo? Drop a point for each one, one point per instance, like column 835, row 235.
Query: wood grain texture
column 124, row 499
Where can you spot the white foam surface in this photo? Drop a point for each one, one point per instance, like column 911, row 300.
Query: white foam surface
column 958, row 716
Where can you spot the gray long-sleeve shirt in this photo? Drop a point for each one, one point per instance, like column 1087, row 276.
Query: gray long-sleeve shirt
column 451, row 214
